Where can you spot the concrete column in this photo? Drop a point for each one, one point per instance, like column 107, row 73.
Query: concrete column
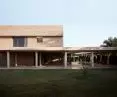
column 40, row 64
column 65, row 59
column 36, row 59
column 92, row 59
column 15, row 59
column 8, row 59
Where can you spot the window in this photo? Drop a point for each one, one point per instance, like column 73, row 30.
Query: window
column 19, row 41
column 39, row 39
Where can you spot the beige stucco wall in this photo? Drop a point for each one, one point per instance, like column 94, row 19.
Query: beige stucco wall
column 52, row 35
column 53, row 42
column 47, row 42
column 6, row 42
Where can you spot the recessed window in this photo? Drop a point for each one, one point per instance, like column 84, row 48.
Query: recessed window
column 19, row 41
column 39, row 39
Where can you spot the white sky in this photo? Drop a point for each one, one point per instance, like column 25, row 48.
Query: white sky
column 86, row 22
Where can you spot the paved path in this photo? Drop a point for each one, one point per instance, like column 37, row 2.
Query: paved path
column 62, row 67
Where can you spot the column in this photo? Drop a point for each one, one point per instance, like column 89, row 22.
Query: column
column 36, row 59
column 40, row 64
column 8, row 59
column 92, row 59
column 15, row 59
column 65, row 59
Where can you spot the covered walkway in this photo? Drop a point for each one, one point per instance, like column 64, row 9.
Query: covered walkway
column 58, row 57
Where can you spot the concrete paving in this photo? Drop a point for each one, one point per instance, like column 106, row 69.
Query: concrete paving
column 62, row 67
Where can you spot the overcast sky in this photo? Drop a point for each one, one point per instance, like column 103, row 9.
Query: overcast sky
column 85, row 22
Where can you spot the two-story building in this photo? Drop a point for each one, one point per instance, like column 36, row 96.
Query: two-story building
column 34, row 45
column 31, row 45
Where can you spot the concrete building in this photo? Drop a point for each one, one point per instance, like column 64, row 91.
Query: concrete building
column 33, row 45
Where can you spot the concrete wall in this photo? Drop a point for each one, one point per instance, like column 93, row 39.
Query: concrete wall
column 52, row 35
column 6, row 42
column 47, row 42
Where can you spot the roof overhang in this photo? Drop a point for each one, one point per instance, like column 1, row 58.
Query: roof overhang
column 90, row 49
column 63, row 49
column 34, row 49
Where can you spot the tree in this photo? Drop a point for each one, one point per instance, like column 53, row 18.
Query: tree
column 110, row 42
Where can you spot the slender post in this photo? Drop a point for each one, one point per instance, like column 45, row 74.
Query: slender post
column 8, row 59
column 36, row 59
column 65, row 59
column 92, row 59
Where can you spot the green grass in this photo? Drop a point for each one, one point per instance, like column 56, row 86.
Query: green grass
column 58, row 83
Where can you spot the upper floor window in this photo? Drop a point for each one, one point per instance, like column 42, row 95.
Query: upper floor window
column 19, row 41
column 39, row 39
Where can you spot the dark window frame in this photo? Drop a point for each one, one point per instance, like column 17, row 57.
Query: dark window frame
column 19, row 41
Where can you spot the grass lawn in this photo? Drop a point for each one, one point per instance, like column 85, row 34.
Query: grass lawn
column 58, row 83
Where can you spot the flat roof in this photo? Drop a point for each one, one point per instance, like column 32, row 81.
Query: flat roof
column 31, row 30
column 89, row 49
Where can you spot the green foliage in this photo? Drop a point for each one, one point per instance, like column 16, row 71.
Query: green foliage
column 84, row 70
column 110, row 42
